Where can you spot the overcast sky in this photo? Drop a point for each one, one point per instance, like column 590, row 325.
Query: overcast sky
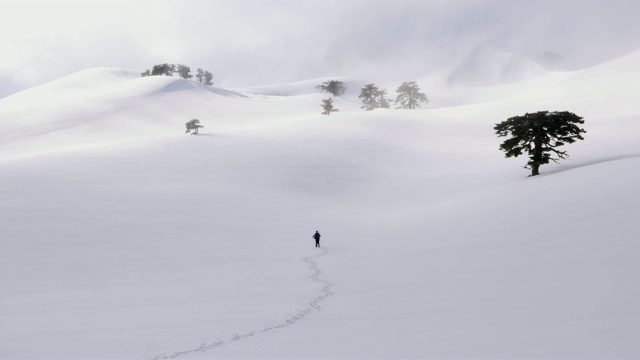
column 254, row 42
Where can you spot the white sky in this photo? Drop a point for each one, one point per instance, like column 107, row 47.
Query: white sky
column 253, row 42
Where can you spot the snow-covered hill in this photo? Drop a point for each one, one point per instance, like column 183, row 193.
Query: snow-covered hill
column 305, row 87
column 101, row 107
column 123, row 238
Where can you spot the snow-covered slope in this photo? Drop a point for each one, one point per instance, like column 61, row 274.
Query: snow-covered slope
column 100, row 107
column 305, row 87
column 123, row 238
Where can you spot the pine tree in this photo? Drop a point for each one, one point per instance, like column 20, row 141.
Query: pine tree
column 409, row 96
column 184, row 71
column 382, row 99
column 200, row 75
column 208, row 76
column 334, row 87
column 369, row 94
column 538, row 135
column 162, row 69
column 193, row 125
column 373, row 97
column 327, row 105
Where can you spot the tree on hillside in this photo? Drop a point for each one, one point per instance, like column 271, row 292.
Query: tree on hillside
column 204, row 77
column 162, row 69
column 334, row 87
column 200, row 75
column 146, row 73
column 538, row 135
column 369, row 96
column 184, row 71
column 208, row 76
column 409, row 96
column 383, row 102
column 327, row 106
column 193, row 125
column 373, row 97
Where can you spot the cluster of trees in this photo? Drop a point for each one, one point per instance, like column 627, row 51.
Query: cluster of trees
column 335, row 88
column 373, row 98
column 539, row 134
column 202, row 76
column 409, row 96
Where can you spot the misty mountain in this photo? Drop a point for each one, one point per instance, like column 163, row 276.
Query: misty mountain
column 490, row 63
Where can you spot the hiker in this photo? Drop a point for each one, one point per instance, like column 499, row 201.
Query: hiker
column 317, row 237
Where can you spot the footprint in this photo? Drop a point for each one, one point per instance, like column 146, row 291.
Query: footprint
column 314, row 305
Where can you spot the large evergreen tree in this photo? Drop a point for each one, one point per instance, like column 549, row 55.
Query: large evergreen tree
column 409, row 96
column 333, row 87
column 538, row 135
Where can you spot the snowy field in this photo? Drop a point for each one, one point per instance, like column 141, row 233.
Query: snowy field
column 124, row 238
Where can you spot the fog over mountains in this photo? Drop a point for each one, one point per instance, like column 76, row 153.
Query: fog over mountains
column 251, row 42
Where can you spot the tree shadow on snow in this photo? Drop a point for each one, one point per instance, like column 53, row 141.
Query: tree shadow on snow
column 593, row 162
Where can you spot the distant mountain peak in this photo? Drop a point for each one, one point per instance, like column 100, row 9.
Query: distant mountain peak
column 492, row 62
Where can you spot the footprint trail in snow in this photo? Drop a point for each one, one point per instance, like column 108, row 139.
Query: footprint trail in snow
column 314, row 305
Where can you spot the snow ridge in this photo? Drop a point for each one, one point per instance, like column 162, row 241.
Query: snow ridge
column 314, row 305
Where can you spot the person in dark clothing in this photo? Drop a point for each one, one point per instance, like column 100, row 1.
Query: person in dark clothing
column 317, row 237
